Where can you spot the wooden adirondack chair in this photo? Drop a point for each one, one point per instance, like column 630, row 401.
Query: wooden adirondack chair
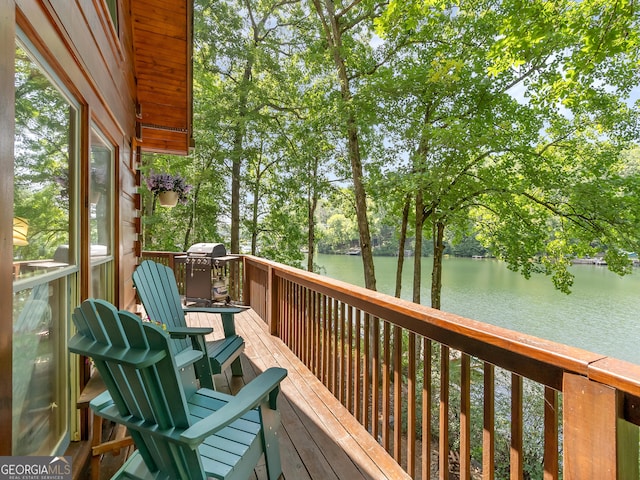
column 180, row 431
column 158, row 292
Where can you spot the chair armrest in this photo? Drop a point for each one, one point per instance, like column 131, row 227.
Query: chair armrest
column 183, row 332
column 226, row 312
column 101, row 401
column 222, row 309
column 265, row 384
column 133, row 357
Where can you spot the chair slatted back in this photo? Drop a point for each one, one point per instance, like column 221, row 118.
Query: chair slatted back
column 158, row 291
column 135, row 361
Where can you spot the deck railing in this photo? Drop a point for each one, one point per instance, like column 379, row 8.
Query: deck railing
column 173, row 260
column 490, row 401
column 441, row 392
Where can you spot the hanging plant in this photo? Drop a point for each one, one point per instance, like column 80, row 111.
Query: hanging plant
column 169, row 189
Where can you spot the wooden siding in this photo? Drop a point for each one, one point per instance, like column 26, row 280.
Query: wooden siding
column 128, row 227
column 7, row 120
column 162, row 46
column 95, row 63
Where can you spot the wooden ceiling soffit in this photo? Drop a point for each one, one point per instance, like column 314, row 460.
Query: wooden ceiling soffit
column 163, row 44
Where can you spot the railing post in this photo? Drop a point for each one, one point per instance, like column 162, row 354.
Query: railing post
column 246, row 282
column 598, row 443
column 272, row 301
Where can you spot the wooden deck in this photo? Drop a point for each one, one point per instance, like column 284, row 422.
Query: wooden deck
column 319, row 438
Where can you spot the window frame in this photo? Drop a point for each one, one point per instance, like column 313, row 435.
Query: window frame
column 74, row 169
column 104, row 261
column 66, row 277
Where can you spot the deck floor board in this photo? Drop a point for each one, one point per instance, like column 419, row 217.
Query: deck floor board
column 319, row 438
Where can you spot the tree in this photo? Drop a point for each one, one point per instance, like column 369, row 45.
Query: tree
column 455, row 111
column 251, row 49
column 345, row 32
column 483, row 118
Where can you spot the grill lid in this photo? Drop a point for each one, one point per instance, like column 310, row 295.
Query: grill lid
column 212, row 250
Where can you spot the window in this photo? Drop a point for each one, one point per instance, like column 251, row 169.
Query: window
column 45, row 255
column 39, row 368
column 45, row 143
column 101, row 216
column 112, row 7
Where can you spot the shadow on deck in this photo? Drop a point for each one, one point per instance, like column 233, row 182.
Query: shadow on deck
column 319, row 438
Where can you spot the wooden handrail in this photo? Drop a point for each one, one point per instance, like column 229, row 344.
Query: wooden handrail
column 378, row 354
column 502, row 347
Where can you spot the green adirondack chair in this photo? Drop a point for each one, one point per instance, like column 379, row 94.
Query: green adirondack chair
column 157, row 289
column 180, row 431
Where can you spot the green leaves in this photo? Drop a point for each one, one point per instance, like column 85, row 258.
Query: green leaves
column 511, row 115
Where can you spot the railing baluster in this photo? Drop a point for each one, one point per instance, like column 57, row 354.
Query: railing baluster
column 350, row 366
column 327, row 340
column 488, row 432
column 366, row 371
column 342, row 359
column 281, row 299
column 444, row 413
column 375, row 378
column 306, row 325
column 322, row 339
column 411, row 405
column 357, row 393
column 516, row 456
column 283, row 308
column 296, row 303
column 550, row 434
column 317, row 314
column 397, row 393
column 427, row 351
column 336, row 353
column 386, row 385
column 301, row 331
column 292, row 314
column 465, row 417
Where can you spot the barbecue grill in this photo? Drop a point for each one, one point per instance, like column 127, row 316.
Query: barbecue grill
column 206, row 273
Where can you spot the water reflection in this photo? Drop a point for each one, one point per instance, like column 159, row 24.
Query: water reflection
column 599, row 315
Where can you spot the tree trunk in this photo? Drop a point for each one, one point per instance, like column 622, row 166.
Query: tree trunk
column 436, row 274
column 402, row 245
column 361, row 207
column 417, row 259
column 237, row 157
column 312, row 202
column 420, row 168
column 236, row 169
column 194, row 204
column 254, row 216
column 333, row 33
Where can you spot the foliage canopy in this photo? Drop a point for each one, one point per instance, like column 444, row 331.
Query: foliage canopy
column 510, row 121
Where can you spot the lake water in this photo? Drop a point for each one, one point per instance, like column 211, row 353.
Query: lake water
column 601, row 314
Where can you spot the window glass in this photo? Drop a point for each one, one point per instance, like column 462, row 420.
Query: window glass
column 44, row 144
column 39, row 368
column 43, row 245
column 101, row 215
column 112, row 6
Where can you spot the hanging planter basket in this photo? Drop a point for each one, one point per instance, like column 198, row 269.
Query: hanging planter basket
column 168, row 199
